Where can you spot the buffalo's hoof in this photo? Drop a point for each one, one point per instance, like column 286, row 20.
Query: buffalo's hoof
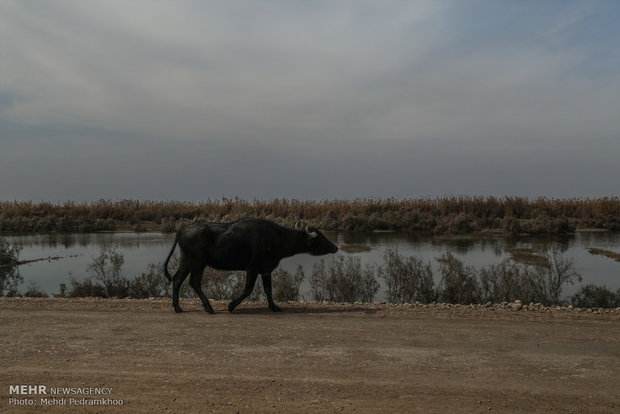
column 178, row 309
column 209, row 310
column 275, row 308
column 231, row 306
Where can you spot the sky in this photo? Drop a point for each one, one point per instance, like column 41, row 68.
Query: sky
column 317, row 100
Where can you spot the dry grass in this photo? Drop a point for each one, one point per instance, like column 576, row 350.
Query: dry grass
column 453, row 215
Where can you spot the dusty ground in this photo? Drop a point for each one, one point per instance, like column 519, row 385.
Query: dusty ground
column 310, row 358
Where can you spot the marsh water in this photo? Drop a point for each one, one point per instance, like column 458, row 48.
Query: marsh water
column 141, row 249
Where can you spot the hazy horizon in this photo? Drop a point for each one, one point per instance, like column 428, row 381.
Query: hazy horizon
column 197, row 100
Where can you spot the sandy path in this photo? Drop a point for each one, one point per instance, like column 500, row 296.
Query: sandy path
column 310, row 358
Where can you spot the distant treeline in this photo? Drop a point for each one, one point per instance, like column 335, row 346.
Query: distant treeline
column 448, row 215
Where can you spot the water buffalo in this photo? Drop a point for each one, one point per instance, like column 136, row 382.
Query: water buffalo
column 253, row 245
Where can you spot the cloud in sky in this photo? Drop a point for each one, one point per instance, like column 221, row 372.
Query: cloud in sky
column 199, row 99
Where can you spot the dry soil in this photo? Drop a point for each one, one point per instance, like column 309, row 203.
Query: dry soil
column 309, row 358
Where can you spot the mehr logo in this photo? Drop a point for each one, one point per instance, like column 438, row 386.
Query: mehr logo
column 62, row 396
column 27, row 389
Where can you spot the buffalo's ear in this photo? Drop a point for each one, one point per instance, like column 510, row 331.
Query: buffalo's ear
column 310, row 239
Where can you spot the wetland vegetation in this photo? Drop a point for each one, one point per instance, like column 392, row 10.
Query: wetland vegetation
column 406, row 278
column 448, row 215
column 527, row 275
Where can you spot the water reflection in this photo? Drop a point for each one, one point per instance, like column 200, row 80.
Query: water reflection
column 66, row 241
column 497, row 244
column 478, row 251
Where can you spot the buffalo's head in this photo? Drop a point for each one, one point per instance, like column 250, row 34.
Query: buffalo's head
column 318, row 244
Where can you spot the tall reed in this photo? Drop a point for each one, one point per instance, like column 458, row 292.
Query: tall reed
column 439, row 215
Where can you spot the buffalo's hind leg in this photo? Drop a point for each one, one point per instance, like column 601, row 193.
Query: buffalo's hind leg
column 267, row 285
column 195, row 281
column 177, row 281
column 250, row 281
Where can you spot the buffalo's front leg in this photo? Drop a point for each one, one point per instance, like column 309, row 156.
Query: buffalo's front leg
column 267, row 285
column 250, row 280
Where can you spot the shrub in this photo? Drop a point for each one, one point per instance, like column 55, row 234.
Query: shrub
column 544, row 224
column 10, row 279
column 458, row 282
column 511, row 280
column 456, row 224
column 538, row 281
column 502, row 282
column 318, row 281
column 511, row 225
column 552, row 276
column 590, row 296
column 407, row 280
column 34, row 291
column 168, row 226
column 9, row 253
column 343, row 281
column 80, row 289
column 286, row 285
column 219, row 285
column 149, row 284
column 107, row 268
column 62, row 293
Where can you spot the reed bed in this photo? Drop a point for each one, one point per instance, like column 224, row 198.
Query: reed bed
column 450, row 215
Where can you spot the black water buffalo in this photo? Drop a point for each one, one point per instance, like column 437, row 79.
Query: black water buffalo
column 253, row 245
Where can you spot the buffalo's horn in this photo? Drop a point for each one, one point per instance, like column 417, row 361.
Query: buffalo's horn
column 298, row 225
column 310, row 231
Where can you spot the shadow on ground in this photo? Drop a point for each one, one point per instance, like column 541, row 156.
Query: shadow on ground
column 262, row 309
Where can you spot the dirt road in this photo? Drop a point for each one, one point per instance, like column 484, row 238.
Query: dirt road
column 310, row 358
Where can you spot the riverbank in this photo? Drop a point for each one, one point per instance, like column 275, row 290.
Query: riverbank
column 449, row 215
column 312, row 357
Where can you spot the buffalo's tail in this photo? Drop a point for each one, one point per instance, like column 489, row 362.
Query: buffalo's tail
column 168, row 275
